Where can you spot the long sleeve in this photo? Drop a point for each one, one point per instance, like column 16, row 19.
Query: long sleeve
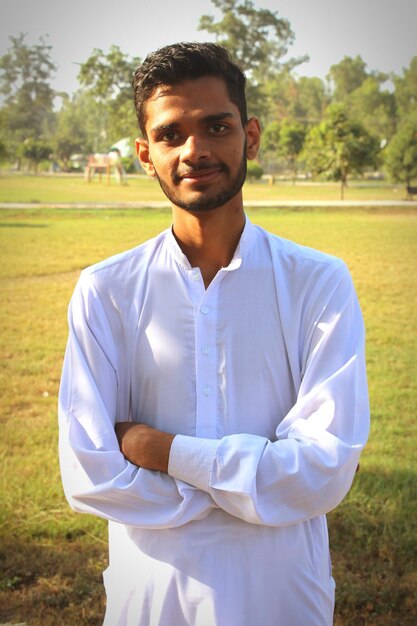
column 309, row 467
column 96, row 477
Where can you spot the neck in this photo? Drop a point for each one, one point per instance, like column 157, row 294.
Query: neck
column 209, row 239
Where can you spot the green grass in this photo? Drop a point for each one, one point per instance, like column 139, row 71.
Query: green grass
column 50, row 189
column 51, row 558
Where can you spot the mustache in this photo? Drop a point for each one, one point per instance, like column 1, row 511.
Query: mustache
column 179, row 174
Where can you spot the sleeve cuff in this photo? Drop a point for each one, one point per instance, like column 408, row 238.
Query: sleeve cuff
column 191, row 459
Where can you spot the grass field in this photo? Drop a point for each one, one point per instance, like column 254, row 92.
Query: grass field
column 47, row 189
column 51, row 558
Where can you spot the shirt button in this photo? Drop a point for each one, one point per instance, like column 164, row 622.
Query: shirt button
column 206, row 390
column 205, row 310
column 205, row 350
column 195, row 276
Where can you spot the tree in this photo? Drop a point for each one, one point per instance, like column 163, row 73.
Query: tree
column 34, row 151
column 374, row 107
column 108, row 79
column 338, row 147
column 290, row 144
column 25, row 75
column 3, row 151
column 311, row 100
column 282, row 95
column 401, row 152
column 270, row 137
column 302, row 99
column 257, row 39
column 71, row 134
column 363, row 95
column 406, row 90
column 346, row 76
column 269, row 147
column 283, row 140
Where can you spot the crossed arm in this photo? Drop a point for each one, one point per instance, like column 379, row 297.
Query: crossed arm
column 144, row 446
column 305, row 471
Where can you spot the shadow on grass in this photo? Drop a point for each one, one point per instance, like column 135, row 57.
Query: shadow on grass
column 374, row 547
column 45, row 584
column 22, row 225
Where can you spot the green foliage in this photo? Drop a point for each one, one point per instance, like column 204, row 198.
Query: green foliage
column 401, row 152
column 3, row 151
column 363, row 95
column 71, row 134
column 347, row 75
column 257, row 39
column 303, row 99
column 374, row 107
column 107, row 80
column 27, row 68
column 101, row 112
column 291, row 141
column 129, row 164
column 338, row 147
column 311, row 99
column 109, row 76
column 25, row 75
column 406, row 90
column 254, row 170
column 34, row 151
column 87, row 125
column 270, row 137
column 284, row 140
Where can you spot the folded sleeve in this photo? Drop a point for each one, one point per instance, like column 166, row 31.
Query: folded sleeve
column 308, row 469
column 96, row 477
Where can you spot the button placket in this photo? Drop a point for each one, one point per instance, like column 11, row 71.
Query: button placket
column 206, row 364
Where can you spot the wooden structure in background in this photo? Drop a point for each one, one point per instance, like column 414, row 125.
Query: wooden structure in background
column 98, row 163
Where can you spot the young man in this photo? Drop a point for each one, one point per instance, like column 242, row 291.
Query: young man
column 213, row 403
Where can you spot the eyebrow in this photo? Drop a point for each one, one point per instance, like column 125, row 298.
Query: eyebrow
column 215, row 117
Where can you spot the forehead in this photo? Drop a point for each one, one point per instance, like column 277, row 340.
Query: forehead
column 203, row 97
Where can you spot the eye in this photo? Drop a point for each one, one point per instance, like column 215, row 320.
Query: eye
column 169, row 136
column 217, row 129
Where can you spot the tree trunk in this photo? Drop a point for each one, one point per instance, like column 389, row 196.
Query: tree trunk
column 294, row 172
column 343, row 184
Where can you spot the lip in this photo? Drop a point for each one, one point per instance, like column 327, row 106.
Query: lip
column 201, row 176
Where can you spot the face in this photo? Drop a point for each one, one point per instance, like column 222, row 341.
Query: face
column 196, row 145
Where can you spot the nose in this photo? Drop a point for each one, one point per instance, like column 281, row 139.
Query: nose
column 194, row 149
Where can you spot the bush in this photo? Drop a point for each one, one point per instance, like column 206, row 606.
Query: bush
column 131, row 165
column 34, row 151
column 255, row 171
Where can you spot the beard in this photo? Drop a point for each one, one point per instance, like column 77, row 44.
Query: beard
column 207, row 200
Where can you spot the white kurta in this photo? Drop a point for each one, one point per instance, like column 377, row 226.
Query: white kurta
column 262, row 376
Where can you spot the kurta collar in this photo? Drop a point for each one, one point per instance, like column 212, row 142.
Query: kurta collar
column 246, row 241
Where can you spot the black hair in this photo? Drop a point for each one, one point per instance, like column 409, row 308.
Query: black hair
column 175, row 63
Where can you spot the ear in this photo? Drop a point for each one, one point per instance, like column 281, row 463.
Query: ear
column 253, row 137
column 142, row 151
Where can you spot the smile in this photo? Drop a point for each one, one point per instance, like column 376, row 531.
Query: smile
column 200, row 176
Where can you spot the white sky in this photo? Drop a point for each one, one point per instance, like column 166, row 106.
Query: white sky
column 383, row 32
